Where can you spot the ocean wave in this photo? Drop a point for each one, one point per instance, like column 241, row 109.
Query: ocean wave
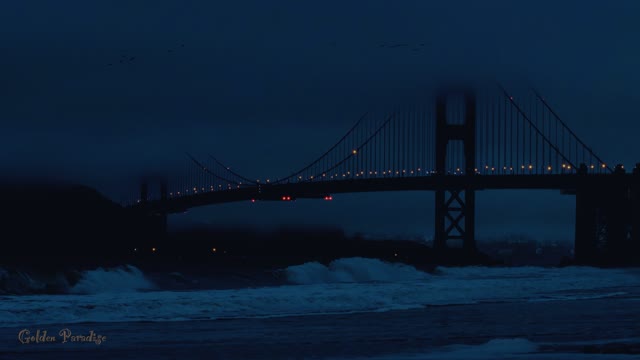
column 22, row 282
column 118, row 279
column 121, row 279
column 352, row 270
column 505, row 348
column 518, row 348
column 345, row 286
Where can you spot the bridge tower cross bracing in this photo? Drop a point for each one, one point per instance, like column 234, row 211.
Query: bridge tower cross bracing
column 455, row 207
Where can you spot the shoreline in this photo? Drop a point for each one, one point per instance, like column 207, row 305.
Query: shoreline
column 358, row 335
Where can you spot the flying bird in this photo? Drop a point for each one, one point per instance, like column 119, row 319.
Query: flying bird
column 123, row 59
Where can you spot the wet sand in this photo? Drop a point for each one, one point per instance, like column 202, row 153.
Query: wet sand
column 557, row 326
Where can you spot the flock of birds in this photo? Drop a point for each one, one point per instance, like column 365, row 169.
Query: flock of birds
column 124, row 59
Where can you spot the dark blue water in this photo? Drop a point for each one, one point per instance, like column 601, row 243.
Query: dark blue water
column 355, row 308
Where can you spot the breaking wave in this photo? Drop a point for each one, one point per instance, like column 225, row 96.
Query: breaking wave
column 343, row 286
column 514, row 348
column 352, row 270
column 121, row 279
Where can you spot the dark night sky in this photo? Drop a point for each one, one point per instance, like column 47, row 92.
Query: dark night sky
column 269, row 85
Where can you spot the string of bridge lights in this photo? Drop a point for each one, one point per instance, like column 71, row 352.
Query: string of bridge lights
column 396, row 145
column 486, row 170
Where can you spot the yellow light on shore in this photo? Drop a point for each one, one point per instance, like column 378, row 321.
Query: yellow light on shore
column 214, row 249
column 153, row 249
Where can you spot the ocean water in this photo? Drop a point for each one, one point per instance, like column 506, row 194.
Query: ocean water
column 353, row 308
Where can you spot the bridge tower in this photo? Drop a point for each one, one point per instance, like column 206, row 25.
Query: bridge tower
column 455, row 207
column 158, row 219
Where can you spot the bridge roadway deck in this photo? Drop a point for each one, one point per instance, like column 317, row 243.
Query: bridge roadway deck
column 568, row 184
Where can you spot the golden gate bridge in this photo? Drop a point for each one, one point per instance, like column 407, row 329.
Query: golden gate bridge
column 459, row 141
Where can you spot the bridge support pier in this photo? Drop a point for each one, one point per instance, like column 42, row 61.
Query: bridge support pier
column 455, row 218
column 156, row 220
column 586, row 232
column 455, row 208
column 607, row 225
column 635, row 213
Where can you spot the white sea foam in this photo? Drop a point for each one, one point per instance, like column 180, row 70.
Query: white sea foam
column 493, row 349
column 347, row 285
column 514, row 348
column 352, row 270
column 121, row 279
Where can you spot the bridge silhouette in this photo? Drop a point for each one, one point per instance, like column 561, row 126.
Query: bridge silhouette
column 459, row 141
